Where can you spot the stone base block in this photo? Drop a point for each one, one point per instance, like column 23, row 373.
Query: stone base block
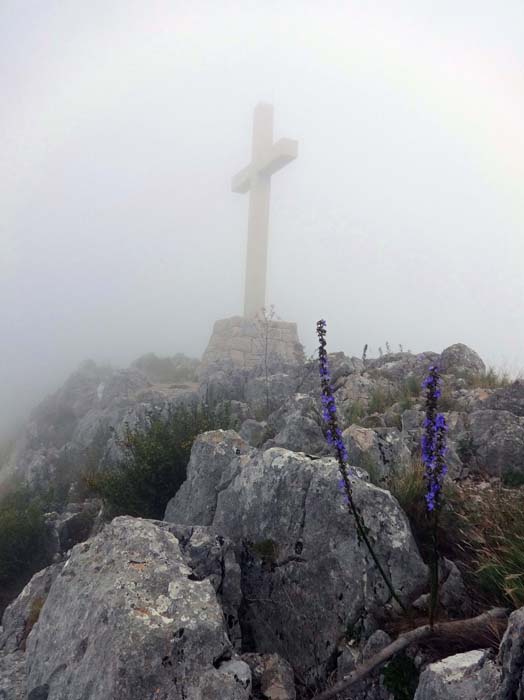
column 249, row 343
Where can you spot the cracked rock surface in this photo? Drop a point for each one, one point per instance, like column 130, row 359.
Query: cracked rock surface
column 305, row 577
column 126, row 619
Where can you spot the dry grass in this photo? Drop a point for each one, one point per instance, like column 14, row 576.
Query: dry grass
column 492, row 533
column 490, row 379
column 481, row 528
column 409, row 487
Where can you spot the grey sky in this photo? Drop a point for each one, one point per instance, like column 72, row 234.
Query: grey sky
column 122, row 123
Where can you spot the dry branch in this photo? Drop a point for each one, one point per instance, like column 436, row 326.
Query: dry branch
column 464, row 628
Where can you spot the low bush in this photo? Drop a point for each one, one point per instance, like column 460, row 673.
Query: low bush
column 154, row 463
column 490, row 379
column 22, row 539
column 168, row 370
column 354, row 412
column 380, row 400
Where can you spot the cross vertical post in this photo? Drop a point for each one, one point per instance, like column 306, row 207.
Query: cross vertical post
column 267, row 158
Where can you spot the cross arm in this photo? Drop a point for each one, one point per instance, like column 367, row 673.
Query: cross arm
column 281, row 153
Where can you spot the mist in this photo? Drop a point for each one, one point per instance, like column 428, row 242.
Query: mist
column 122, row 124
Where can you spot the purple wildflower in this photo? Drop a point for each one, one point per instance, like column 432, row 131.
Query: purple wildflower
column 433, row 441
column 329, row 414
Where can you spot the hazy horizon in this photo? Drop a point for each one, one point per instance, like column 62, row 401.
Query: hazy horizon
column 401, row 220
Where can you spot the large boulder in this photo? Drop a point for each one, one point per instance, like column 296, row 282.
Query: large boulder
column 468, row 676
column 127, row 618
column 497, row 441
column 458, row 359
column 211, row 455
column 399, row 366
column 305, row 577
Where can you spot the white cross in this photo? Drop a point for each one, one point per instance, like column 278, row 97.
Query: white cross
column 267, row 158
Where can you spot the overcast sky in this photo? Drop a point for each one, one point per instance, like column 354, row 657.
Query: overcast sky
column 122, row 122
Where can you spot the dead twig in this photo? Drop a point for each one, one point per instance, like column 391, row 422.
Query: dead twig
column 473, row 626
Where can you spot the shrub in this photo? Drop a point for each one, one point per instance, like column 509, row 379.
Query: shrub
column 22, row 536
column 354, row 412
column 167, row 370
column 490, row 379
column 155, row 461
column 400, row 676
column 380, row 401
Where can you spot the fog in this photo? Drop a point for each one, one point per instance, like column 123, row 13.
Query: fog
column 122, row 123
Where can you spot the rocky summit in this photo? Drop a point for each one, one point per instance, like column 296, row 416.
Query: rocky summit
column 256, row 583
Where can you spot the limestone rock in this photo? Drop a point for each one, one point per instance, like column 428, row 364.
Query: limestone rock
column 412, row 421
column 468, row 676
column 459, row 359
column 75, row 425
column 358, row 389
column 211, row 455
column 297, row 403
column 398, row 366
column 301, row 434
column 497, row 441
column 453, row 596
column 510, row 398
column 341, row 365
column 212, row 557
column 126, row 619
column 266, row 394
column 22, row 614
column 377, row 451
column 511, row 658
column 69, row 528
column 303, row 572
column 254, row 432
column 223, row 383
column 239, row 670
column 12, row 676
column 378, row 641
column 272, row 676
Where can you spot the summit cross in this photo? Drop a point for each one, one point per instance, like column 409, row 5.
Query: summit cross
column 266, row 159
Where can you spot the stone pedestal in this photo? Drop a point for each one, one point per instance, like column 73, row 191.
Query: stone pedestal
column 249, row 343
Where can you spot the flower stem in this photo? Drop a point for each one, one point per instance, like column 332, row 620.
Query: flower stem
column 334, row 438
